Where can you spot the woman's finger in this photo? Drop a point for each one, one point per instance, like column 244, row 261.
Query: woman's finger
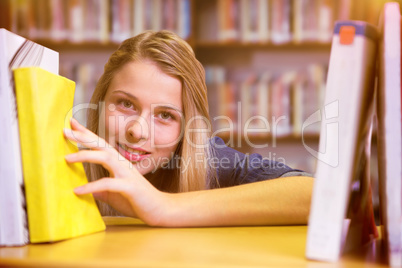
column 115, row 163
column 76, row 125
column 87, row 139
column 84, row 136
column 111, row 191
column 84, row 140
column 110, row 185
column 102, row 185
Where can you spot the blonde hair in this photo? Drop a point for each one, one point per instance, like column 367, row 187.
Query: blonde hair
column 174, row 57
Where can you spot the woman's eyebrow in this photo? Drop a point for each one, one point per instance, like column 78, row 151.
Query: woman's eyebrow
column 125, row 93
column 168, row 107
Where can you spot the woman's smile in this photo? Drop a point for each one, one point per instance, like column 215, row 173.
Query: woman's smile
column 132, row 154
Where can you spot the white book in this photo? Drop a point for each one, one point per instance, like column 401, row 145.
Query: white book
column 390, row 133
column 325, row 20
column 244, row 20
column 156, row 23
column 263, row 20
column 138, row 17
column 15, row 51
column 103, row 21
column 342, row 159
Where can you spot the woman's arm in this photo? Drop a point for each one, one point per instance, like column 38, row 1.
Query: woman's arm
column 272, row 202
column 277, row 201
column 284, row 201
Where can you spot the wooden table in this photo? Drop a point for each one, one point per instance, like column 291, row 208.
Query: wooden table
column 128, row 242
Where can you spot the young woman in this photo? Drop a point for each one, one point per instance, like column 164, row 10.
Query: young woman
column 151, row 154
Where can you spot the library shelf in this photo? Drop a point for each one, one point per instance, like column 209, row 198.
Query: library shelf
column 292, row 46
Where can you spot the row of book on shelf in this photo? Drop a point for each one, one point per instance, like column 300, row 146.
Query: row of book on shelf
column 276, row 21
column 97, row 20
column 265, row 103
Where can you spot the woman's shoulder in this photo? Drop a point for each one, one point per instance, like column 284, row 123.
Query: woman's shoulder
column 234, row 167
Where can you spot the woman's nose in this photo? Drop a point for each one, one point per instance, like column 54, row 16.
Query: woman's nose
column 137, row 130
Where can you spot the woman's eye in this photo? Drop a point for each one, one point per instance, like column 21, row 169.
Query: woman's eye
column 127, row 104
column 165, row 116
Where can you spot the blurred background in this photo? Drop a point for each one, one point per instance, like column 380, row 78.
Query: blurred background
column 262, row 57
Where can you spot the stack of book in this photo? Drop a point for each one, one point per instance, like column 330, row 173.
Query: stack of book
column 37, row 202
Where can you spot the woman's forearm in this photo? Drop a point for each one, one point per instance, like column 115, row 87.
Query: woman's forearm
column 272, row 202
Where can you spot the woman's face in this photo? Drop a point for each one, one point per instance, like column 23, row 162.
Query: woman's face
column 143, row 113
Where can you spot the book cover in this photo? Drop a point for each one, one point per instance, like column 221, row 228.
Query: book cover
column 280, row 21
column 58, row 29
column 264, row 13
column 76, row 21
column 390, row 133
column 342, row 160
column 44, row 102
column 15, row 51
column 184, row 23
column 138, row 19
column 120, row 20
column 227, row 16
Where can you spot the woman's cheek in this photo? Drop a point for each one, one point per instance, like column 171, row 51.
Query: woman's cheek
column 111, row 127
column 167, row 136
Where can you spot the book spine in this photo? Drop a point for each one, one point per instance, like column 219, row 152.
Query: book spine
column 156, row 23
column 13, row 218
column 263, row 20
column 58, row 26
column 138, row 17
column 36, row 197
column 103, row 21
column 184, row 18
column 76, row 18
column 244, row 20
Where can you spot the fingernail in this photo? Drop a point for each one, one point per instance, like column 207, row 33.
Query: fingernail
column 79, row 190
column 66, row 130
column 68, row 157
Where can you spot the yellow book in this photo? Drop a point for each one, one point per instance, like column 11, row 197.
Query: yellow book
column 44, row 104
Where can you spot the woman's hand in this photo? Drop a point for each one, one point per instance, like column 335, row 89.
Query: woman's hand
column 278, row 201
column 127, row 190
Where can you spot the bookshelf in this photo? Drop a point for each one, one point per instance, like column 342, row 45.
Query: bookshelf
column 237, row 38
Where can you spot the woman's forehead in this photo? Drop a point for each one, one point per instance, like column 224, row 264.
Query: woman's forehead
column 146, row 82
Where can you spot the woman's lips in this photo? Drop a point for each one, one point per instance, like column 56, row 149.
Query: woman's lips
column 131, row 154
